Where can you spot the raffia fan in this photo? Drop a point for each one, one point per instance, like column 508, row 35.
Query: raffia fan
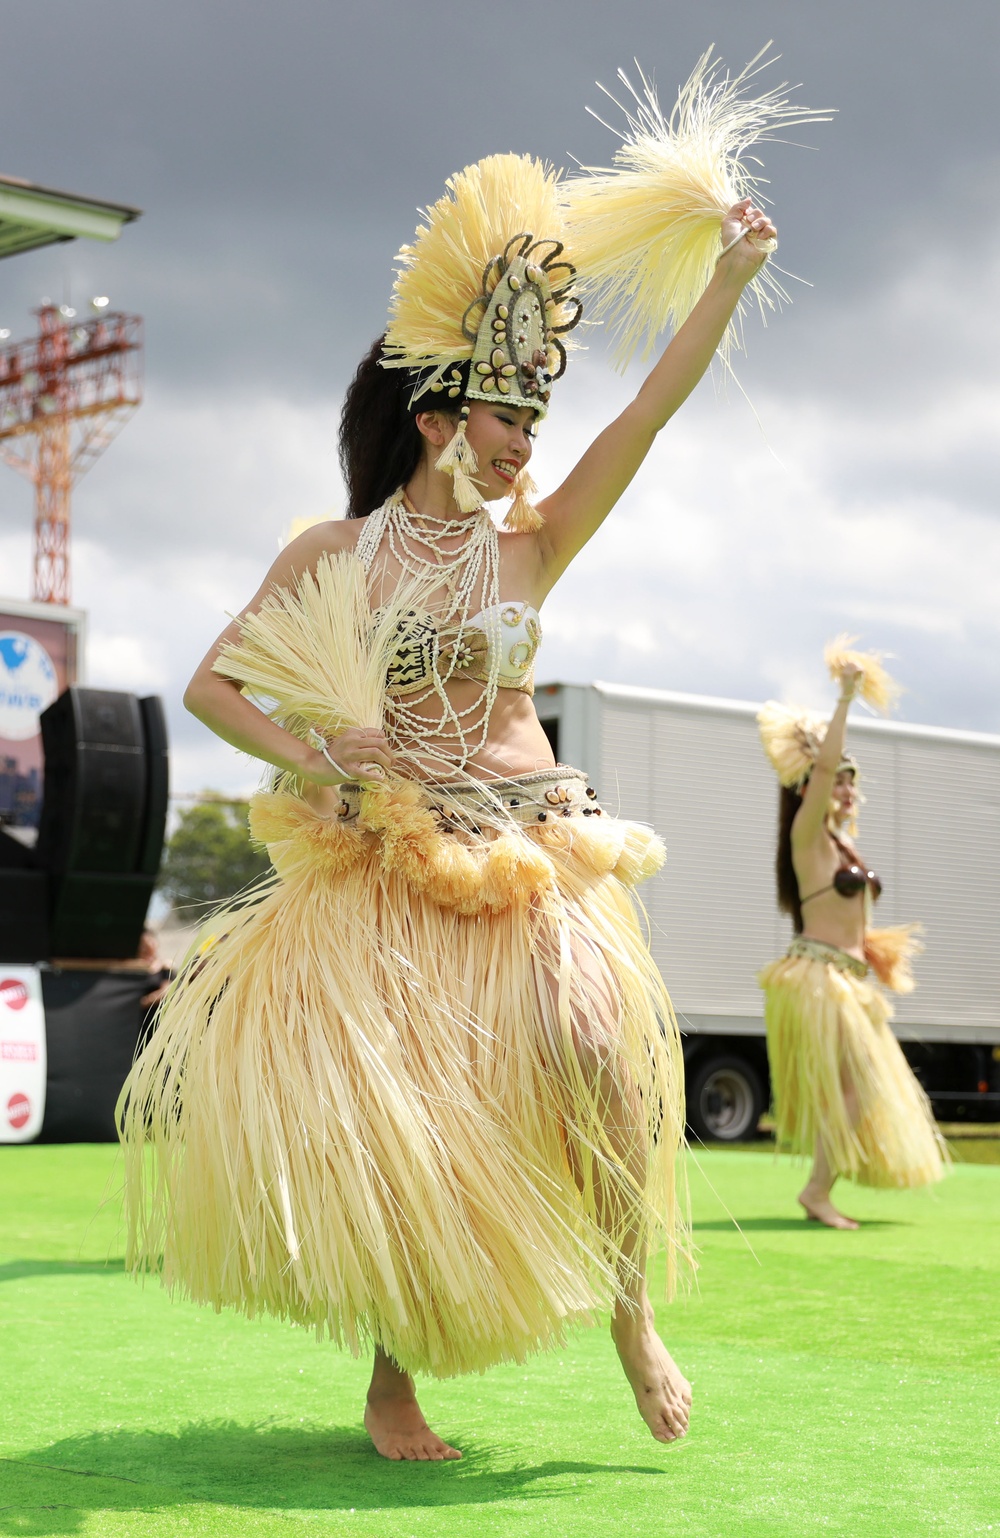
column 877, row 688
column 318, row 655
column 645, row 235
column 443, row 270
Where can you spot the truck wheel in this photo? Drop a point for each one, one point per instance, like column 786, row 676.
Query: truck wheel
column 725, row 1099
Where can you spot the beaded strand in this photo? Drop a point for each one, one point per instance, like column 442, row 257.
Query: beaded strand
column 416, row 543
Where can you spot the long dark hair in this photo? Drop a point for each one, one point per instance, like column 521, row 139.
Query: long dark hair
column 788, row 887
column 789, row 900
column 380, row 443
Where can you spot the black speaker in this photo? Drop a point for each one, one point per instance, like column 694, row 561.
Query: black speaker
column 95, row 783
column 93, row 1024
column 24, row 915
column 99, row 915
column 154, row 822
column 14, row 855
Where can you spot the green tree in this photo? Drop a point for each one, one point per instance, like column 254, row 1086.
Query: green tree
column 209, row 856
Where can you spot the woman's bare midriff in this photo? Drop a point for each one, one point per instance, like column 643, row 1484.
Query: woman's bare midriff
column 838, row 921
column 515, row 742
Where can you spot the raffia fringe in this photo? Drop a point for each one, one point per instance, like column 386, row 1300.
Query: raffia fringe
column 890, row 954
column 478, row 876
column 368, row 1113
column 825, row 1027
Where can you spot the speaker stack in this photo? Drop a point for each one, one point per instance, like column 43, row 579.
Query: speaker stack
column 104, row 810
column 24, row 904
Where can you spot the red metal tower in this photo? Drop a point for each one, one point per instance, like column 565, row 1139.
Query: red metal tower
column 63, row 397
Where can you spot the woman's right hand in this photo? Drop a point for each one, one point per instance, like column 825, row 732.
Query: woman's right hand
column 359, row 753
column 851, row 677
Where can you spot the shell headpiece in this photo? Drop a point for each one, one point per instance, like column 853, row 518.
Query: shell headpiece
column 482, row 300
column 498, row 269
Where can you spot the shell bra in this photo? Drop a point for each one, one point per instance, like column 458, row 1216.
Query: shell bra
column 498, row 643
column 504, row 637
column 850, row 879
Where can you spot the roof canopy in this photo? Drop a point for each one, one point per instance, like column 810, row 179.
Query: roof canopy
column 32, row 216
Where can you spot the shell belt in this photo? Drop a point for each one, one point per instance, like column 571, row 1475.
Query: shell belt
column 470, row 807
column 818, row 950
column 471, row 847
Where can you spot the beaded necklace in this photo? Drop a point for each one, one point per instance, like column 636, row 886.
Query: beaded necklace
column 417, row 541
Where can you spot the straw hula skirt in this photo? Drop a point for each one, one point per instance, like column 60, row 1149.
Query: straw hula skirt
column 827, row 1025
column 385, row 1100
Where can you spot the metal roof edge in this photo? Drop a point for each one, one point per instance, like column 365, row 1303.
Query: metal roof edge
column 34, row 189
column 722, row 706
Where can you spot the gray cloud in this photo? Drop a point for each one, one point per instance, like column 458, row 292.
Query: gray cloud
column 280, row 153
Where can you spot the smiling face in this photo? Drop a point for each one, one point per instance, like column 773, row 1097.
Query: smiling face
column 502, row 438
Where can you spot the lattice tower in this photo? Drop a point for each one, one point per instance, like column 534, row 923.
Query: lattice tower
column 64, row 396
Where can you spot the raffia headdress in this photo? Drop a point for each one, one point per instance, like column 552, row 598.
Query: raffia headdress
column 495, row 277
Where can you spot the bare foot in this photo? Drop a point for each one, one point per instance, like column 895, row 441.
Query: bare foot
column 397, row 1427
column 661, row 1391
column 818, row 1207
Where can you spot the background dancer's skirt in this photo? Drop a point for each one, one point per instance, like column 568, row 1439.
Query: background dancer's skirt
column 378, row 1102
column 828, row 1022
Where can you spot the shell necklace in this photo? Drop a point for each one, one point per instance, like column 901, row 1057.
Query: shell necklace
column 423, row 547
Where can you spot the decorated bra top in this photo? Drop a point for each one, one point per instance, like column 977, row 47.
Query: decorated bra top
column 499, row 642
column 850, row 879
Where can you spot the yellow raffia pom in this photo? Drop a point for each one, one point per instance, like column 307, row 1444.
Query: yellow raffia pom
column 522, row 517
column 890, row 954
column 791, row 740
column 441, row 273
column 299, row 842
column 458, row 459
column 645, row 236
column 627, row 850
column 877, row 687
column 643, row 853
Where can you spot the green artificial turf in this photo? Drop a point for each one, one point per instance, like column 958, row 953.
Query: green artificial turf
column 844, row 1384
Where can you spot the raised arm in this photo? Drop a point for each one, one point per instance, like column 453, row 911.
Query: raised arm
column 575, row 512
column 810, row 819
column 218, row 703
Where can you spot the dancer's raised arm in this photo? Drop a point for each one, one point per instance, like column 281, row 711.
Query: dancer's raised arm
column 575, row 512
column 810, row 820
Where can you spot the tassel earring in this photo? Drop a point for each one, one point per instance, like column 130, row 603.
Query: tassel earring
column 522, row 518
column 458, row 459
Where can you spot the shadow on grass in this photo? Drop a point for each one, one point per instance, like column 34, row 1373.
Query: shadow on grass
column 267, row 1467
column 780, row 1225
column 16, row 1270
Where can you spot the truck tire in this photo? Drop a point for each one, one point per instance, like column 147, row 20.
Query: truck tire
column 725, row 1100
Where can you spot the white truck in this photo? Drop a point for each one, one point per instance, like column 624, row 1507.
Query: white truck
column 693, row 767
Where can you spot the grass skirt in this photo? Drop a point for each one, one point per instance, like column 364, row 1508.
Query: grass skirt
column 385, row 1101
column 827, row 1026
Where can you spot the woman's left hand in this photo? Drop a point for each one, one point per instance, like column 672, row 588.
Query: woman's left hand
column 746, row 256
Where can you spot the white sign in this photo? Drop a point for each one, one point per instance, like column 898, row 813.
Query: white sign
column 22, row 1053
column 28, row 684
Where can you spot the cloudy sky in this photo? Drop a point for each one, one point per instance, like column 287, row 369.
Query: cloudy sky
column 280, row 153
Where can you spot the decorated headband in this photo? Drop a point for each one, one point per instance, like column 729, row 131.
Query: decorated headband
column 498, row 271
column 792, row 738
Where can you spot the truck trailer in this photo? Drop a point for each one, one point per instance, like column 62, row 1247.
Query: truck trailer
column 693, row 767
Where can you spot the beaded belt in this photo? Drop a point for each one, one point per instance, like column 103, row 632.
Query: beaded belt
column 528, row 799
column 818, row 950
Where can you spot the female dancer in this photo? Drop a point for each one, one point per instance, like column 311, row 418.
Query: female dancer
column 425, row 1092
column 843, row 1090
